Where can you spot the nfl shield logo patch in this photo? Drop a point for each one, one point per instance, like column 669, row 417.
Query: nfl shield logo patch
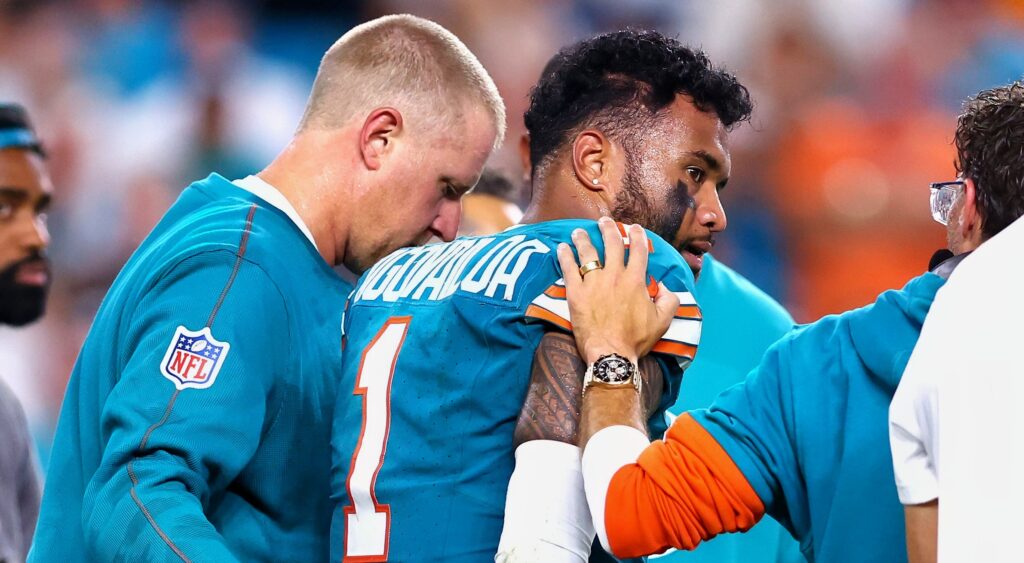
column 193, row 358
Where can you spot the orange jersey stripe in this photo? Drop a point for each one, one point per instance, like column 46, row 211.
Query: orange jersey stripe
column 683, row 490
column 543, row 314
column 675, row 349
column 686, row 311
column 556, row 291
column 689, row 312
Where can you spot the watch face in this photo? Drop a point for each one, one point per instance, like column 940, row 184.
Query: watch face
column 613, row 369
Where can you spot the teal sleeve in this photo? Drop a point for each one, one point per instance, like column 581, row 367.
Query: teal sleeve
column 676, row 349
column 753, row 422
column 665, row 265
column 170, row 453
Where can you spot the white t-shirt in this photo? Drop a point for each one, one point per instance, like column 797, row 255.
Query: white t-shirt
column 263, row 190
column 964, row 377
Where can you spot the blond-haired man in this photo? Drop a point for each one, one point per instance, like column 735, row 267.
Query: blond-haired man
column 196, row 423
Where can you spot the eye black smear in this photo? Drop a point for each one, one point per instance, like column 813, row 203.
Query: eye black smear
column 684, row 195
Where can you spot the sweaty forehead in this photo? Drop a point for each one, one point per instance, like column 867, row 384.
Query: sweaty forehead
column 693, row 130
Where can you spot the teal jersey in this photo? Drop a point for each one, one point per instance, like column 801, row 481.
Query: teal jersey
column 740, row 323
column 196, row 422
column 808, row 428
column 439, row 346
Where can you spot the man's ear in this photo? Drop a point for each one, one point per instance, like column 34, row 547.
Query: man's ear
column 524, row 157
column 591, row 159
column 970, row 217
column 377, row 137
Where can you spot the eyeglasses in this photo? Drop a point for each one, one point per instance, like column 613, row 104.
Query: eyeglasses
column 943, row 196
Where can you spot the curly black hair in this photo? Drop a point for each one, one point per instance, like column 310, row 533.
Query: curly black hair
column 619, row 82
column 990, row 150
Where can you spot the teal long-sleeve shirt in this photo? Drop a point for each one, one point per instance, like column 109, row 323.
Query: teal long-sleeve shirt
column 808, row 428
column 803, row 439
column 195, row 426
column 740, row 323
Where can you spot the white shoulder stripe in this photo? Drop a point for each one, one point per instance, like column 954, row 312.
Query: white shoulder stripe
column 686, row 331
column 559, row 307
column 685, row 298
column 682, row 330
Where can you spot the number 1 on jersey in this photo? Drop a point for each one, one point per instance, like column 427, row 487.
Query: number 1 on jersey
column 368, row 523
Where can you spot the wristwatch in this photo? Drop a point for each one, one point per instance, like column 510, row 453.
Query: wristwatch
column 612, row 371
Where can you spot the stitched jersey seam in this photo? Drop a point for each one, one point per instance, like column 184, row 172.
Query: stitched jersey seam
column 170, row 403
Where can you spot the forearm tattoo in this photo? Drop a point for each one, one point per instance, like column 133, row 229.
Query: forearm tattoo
column 551, row 410
column 653, row 383
column 552, row 407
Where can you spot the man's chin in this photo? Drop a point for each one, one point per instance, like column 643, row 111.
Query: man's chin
column 21, row 314
column 23, row 303
column 695, row 261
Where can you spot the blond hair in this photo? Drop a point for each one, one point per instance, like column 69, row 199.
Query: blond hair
column 401, row 61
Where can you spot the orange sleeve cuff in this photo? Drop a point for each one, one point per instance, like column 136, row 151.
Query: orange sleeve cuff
column 681, row 491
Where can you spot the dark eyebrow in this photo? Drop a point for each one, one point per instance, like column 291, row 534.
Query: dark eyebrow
column 709, row 160
column 19, row 195
column 15, row 194
column 712, row 163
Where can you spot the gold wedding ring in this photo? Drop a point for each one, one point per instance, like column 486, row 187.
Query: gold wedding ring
column 590, row 267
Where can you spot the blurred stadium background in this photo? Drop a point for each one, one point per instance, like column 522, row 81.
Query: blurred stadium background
column 856, row 106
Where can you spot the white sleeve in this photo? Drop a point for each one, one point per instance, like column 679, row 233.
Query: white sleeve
column 914, row 411
column 546, row 514
column 913, row 436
